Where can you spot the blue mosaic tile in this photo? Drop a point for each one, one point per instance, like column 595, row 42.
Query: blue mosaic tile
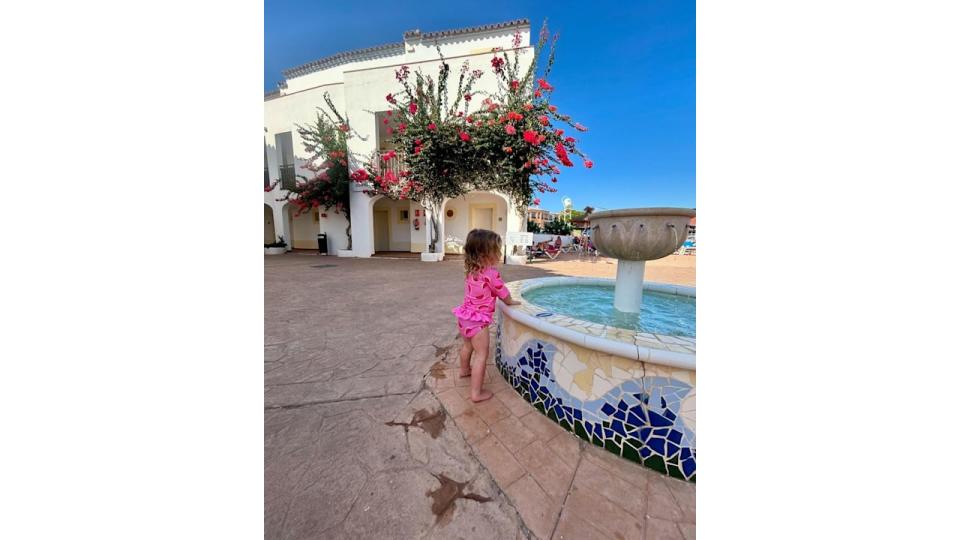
column 637, row 419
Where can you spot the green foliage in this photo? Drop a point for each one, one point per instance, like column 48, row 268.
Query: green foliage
column 558, row 227
column 281, row 243
column 534, row 227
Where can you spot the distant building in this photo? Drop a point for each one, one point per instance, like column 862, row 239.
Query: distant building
column 539, row 216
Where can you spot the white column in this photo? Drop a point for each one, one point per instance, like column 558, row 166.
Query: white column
column 280, row 224
column 628, row 295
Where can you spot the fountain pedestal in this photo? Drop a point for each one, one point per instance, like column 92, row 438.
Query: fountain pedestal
column 634, row 236
column 628, row 294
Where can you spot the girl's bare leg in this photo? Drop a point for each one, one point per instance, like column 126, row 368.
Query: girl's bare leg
column 465, row 351
column 480, row 342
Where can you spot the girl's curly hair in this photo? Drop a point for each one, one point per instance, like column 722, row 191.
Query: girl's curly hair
column 481, row 249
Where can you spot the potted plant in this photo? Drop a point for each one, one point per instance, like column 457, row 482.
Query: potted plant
column 276, row 248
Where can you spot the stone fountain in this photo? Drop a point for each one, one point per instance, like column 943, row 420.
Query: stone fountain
column 634, row 236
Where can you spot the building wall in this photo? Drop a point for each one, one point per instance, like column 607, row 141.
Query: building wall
column 456, row 228
column 358, row 90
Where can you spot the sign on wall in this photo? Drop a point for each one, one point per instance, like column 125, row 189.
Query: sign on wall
column 519, row 239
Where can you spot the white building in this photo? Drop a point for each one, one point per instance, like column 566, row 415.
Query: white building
column 358, row 82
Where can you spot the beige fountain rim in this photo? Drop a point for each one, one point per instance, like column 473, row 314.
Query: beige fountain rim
column 525, row 314
column 633, row 212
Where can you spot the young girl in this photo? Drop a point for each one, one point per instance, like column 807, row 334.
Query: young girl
column 481, row 289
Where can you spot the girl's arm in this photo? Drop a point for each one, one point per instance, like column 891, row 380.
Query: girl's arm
column 500, row 288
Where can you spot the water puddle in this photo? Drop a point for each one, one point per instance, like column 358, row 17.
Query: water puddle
column 438, row 370
column 445, row 497
column 430, row 422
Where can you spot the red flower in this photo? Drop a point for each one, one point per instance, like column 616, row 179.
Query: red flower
column 431, row 126
column 467, row 97
column 553, row 108
column 386, row 121
column 360, row 175
column 538, row 93
column 541, row 138
column 588, row 164
column 508, row 149
column 389, row 155
column 543, row 120
column 536, row 202
column 514, row 85
column 417, row 142
column 544, row 84
column 469, row 119
column 531, row 137
column 464, row 136
column 413, row 107
column 570, row 140
column 510, row 129
column 497, row 63
column 416, row 149
column 528, row 106
column 323, row 215
column 344, row 127
column 514, row 116
column 391, row 99
column 580, row 127
column 554, row 180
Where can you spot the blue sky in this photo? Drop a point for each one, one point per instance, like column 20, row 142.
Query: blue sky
column 626, row 70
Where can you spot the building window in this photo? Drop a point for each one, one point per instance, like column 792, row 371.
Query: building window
column 384, row 140
column 266, row 168
column 288, row 174
column 404, row 216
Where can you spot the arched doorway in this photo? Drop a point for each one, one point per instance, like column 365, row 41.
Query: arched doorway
column 269, row 230
column 391, row 226
column 302, row 229
column 475, row 210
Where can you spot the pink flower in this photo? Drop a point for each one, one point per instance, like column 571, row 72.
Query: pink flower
column 536, row 202
column 469, row 119
column 391, row 99
column 528, row 106
column 402, row 127
column 417, row 142
column 413, row 107
column 389, row 131
column 531, row 137
column 570, row 140
column 389, row 155
column 538, row 93
column 544, row 84
column 554, row 180
column 514, row 85
column 464, row 136
column 543, row 120
column 580, row 127
column 510, row 129
column 431, row 126
column 508, row 149
column 588, row 164
column 467, row 97
column 553, row 108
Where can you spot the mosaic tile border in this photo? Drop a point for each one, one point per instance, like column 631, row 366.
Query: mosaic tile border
column 649, row 420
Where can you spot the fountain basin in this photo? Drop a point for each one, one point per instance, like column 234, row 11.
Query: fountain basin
column 631, row 392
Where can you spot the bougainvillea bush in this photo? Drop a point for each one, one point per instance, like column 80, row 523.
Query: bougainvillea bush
column 326, row 140
column 454, row 140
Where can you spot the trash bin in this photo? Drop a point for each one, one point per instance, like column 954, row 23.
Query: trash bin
column 322, row 243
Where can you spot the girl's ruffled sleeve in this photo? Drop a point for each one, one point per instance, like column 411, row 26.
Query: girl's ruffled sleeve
column 496, row 284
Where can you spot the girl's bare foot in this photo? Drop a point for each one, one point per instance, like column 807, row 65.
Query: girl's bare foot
column 482, row 396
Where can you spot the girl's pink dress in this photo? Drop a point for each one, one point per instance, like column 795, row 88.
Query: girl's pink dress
column 480, row 293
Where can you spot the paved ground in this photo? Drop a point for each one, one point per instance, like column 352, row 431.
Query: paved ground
column 358, row 445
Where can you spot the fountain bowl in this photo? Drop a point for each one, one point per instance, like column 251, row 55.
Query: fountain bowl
column 640, row 234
